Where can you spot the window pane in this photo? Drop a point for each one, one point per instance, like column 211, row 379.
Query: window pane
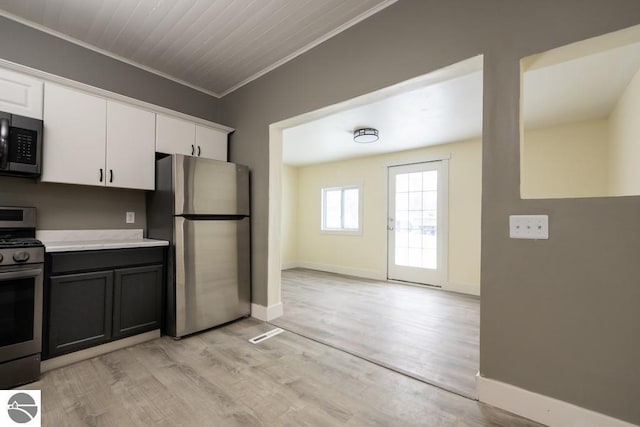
column 402, row 220
column 402, row 201
column 402, row 183
column 351, row 208
column 415, row 201
column 429, row 200
column 332, row 209
column 415, row 181
column 430, row 181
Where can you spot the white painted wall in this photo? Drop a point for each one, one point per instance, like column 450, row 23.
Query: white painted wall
column 624, row 143
column 366, row 254
column 565, row 161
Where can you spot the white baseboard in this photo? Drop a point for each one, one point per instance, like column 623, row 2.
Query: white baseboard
column 348, row 271
column 99, row 350
column 541, row 408
column 266, row 314
column 462, row 288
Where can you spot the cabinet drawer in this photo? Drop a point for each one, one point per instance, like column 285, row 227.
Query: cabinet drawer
column 63, row 262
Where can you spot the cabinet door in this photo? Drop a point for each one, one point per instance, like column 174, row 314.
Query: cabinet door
column 20, row 94
column 80, row 311
column 175, row 136
column 211, row 143
column 137, row 300
column 74, row 136
column 131, row 135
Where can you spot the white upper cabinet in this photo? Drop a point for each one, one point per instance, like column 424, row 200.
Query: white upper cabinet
column 177, row 136
column 20, row 94
column 74, row 136
column 89, row 140
column 130, row 155
column 211, row 143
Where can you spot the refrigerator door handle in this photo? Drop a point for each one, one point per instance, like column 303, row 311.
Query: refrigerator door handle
column 180, row 271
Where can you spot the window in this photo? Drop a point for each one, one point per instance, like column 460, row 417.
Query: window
column 341, row 209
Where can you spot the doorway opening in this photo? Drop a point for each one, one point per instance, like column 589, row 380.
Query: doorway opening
column 353, row 218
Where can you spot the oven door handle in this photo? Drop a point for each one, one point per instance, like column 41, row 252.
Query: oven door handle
column 18, row 274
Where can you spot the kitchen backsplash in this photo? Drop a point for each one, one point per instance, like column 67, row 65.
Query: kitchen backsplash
column 64, row 207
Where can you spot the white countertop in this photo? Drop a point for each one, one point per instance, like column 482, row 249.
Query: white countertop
column 87, row 240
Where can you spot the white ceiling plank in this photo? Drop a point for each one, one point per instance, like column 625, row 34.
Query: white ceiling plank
column 198, row 33
column 78, row 15
column 272, row 36
column 175, row 37
column 98, row 23
column 213, row 42
column 166, row 17
column 213, row 45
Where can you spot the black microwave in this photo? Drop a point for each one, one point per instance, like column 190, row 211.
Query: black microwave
column 20, row 145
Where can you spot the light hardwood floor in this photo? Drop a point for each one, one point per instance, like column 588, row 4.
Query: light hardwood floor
column 218, row 378
column 425, row 333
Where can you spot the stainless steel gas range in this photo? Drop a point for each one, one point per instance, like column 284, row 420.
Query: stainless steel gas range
column 21, row 278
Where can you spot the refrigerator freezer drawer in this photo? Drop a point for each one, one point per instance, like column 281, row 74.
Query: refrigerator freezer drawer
column 212, row 273
column 210, row 187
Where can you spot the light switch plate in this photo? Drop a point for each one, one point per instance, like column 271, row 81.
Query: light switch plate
column 529, row 226
column 131, row 217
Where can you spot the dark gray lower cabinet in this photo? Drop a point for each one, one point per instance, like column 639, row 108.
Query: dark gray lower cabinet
column 80, row 314
column 138, row 300
column 117, row 298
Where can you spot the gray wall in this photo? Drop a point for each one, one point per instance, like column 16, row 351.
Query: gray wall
column 61, row 206
column 558, row 317
column 72, row 206
column 27, row 46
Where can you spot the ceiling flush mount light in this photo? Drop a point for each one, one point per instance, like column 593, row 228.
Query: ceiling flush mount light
column 365, row 135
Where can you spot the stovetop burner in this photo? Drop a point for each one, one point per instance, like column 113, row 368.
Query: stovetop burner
column 20, row 242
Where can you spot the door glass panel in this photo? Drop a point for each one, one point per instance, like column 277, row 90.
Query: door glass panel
column 416, row 228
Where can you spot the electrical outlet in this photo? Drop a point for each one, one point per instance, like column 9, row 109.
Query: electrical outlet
column 529, row 226
column 131, row 217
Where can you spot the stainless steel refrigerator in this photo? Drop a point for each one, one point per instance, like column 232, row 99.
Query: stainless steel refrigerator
column 202, row 207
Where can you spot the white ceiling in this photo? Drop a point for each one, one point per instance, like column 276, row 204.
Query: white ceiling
column 438, row 113
column 584, row 88
column 212, row 45
column 578, row 89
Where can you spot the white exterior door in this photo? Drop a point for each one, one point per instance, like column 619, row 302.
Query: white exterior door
column 417, row 223
column 131, row 153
